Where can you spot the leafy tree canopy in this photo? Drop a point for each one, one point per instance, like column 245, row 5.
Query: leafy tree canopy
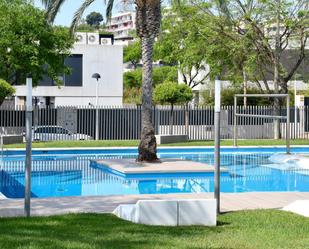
column 29, row 45
column 94, row 19
column 172, row 93
column 132, row 53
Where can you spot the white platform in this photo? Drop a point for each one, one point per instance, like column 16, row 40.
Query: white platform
column 300, row 207
column 182, row 212
column 167, row 165
column 290, row 161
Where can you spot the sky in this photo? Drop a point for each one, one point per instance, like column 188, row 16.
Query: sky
column 70, row 6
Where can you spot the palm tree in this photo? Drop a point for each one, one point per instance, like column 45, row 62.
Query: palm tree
column 148, row 20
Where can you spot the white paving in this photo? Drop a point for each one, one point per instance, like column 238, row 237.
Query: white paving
column 106, row 204
column 298, row 207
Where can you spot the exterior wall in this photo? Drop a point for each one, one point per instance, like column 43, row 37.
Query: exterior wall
column 91, row 101
column 105, row 60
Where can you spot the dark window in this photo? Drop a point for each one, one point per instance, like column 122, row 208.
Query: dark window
column 46, row 80
column 75, row 62
column 75, row 78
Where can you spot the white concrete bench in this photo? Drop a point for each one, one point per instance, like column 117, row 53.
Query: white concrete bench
column 182, row 212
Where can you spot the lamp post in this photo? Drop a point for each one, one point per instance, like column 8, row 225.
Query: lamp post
column 97, row 77
column 27, row 206
column 217, row 142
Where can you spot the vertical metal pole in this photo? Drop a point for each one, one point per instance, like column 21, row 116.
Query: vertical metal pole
column 27, row 206
column 288, row 150
column 217, row 142
column 1, row 145
column 295, row 111
column 235, row 121
column 97, row 112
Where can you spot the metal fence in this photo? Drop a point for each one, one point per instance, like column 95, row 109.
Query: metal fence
column 124, row 122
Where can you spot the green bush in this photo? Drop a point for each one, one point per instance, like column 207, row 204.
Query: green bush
column 133, row 79
column 165, row 73
column 172, row 93
column 6, row 90
column 160, row 74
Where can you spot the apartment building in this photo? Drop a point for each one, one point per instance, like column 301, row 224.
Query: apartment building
column 121, row 25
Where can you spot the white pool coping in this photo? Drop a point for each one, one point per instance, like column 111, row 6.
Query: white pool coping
column 2, row 196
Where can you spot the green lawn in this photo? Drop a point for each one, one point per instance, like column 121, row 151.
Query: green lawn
column 123, row 143
column 240, row 230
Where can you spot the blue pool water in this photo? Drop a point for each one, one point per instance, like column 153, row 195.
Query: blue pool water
column 72, row 173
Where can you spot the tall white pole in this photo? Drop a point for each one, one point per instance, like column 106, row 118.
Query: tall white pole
column 217, row 142
column 27, row 206
column 97, row 112
column 295, row 108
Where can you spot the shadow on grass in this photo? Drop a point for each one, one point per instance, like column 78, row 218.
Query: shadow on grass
column 91, row 231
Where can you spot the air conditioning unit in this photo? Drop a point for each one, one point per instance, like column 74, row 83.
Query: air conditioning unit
column 106, row 41
column 81, row 38
column 93, row 38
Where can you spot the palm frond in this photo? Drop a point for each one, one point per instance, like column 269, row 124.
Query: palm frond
column 223, row 7
column 79, row 13
column 109, row 9
column 53, row 7
column 46, row 3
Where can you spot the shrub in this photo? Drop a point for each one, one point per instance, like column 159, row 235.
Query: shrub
column 6, row 90
column 172, row 93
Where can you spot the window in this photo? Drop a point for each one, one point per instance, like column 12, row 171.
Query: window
column 75, row 62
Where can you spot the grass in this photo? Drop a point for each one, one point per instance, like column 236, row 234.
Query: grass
column 125, row 143
column 246, row 229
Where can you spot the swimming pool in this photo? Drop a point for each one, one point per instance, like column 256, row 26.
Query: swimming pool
column 59, row 173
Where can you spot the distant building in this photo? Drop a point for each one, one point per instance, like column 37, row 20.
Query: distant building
column 92, row 53
column 121, row 25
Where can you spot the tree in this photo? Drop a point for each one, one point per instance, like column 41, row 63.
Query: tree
column 179, row 44
column 6, row 90
column 29, row 45
column 172, row 93
column 94, row 19
column 132, row 81
column 148, row 20
column 270, row 28
column 132, row 53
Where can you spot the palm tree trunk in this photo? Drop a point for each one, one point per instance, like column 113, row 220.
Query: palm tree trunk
column 147, row 149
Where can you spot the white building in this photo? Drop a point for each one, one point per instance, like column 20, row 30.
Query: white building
column 121, row 25
column 91, row 54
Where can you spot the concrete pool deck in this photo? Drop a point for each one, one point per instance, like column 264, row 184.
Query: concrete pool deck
column 106, row 204
column 166, row 166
